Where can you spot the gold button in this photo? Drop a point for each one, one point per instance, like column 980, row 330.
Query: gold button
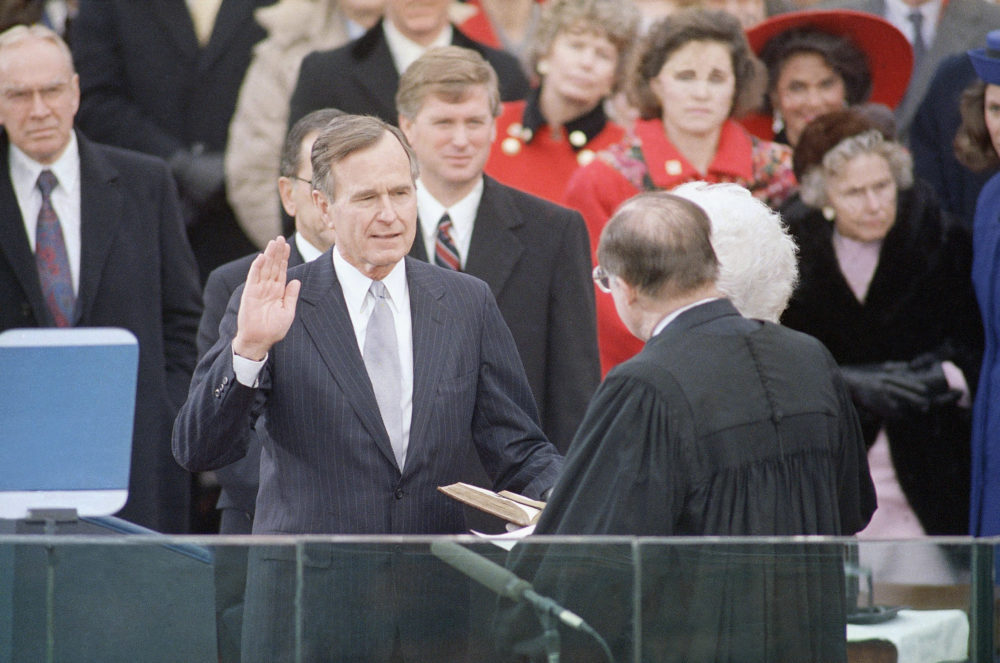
column 674, row 167
column 577, row 138
column 584, row 157
column 514, row 129
column 510, row 146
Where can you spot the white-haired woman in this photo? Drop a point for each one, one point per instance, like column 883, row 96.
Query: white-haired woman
column 757, row 264
column 884, row 283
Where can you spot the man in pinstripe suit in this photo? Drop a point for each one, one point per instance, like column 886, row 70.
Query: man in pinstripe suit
column 290, row 345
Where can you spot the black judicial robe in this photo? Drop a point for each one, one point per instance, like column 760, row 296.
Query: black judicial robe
column 721, row 426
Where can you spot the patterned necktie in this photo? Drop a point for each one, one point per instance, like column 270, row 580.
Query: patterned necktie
column 381, row 355
column 919, row 46
column 51, row 258
column 445, row 253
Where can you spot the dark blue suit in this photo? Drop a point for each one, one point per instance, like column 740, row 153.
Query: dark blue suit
column 328, row 467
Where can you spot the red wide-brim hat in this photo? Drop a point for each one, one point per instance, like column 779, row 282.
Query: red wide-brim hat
column 889, row 54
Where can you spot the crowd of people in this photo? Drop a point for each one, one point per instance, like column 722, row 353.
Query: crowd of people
column 372, row 247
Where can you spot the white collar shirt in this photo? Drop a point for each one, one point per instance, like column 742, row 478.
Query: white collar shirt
column 360, row 305
column 673, row 315
column 898, row 12
column 404, row 50
column 306, row 248
column 463, row 219
column 65, row 197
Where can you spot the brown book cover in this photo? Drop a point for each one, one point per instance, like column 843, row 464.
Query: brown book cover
column 514, row 508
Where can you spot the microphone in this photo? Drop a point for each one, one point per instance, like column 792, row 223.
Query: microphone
column 500, row 580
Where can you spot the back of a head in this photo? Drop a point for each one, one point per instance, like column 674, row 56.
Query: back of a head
column 660, row 244
column 448, row 72
column 757, row 256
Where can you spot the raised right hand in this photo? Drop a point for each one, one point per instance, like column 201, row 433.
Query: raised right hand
column 267, row 307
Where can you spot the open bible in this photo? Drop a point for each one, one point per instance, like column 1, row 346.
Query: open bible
column 514, row 508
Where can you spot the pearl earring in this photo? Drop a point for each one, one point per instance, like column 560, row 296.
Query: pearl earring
column 829, row 213
column 777, row 122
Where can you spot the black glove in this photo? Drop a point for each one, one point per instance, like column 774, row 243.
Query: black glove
column 199, row 174
column 885, row 391
column 927, row 370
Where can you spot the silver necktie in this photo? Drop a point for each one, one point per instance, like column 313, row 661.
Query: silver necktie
column 381, row 355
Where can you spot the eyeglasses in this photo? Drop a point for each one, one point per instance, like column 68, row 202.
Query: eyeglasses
column 602, row 279
column 301, row 179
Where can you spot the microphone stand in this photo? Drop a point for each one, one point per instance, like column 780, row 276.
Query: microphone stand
column 550, row 633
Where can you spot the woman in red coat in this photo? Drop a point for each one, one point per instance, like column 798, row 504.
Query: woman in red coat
column 579, row 54
column 694, row 71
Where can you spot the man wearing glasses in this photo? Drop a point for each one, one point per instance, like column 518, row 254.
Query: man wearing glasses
column 92, row 236
column 721, row 426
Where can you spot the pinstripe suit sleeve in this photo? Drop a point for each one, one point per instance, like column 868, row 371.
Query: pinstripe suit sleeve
column 506, row 431
column 212, row 427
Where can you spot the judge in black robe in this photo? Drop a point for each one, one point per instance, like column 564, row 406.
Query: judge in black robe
column 721, row 426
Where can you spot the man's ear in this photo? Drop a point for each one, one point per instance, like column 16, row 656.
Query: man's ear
column 405, row 125
column 285, row 186
column 323, row 205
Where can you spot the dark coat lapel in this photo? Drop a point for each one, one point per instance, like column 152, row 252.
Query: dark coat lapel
column 101, row 201
column 323, row 312
column 429, row 322
column 14, row 246
column 495, row 248
column 374, row 70
column 175, row 20
column 232, row 18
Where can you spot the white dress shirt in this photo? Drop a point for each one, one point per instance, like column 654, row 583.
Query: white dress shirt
column 662, row 324
column 463, row 219
column 65, row 198
column 305, row 248
column 360, row 304
column 404, row 50
column 897, row 12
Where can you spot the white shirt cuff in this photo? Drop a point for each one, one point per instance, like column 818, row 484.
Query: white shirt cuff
column 247, row 370
column 956, row 380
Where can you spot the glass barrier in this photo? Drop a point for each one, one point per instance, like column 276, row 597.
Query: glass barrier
column 89, row 596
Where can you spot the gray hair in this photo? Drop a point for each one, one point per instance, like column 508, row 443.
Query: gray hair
column 20, row 33
column 758, row 268
column 660, row 244
column 345, row 135
column 812, row 188
column 291, row 150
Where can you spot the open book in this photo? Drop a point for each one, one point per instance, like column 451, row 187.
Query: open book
column 514, row 508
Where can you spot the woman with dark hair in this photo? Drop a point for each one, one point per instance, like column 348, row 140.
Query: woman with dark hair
column 692, row 73
column 884, row 285
column 579, row 55
column 979, row 133
column 822, row 61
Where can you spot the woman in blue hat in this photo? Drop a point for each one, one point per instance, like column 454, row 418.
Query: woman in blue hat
column 980, row 132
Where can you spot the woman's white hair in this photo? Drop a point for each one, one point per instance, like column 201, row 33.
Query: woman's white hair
column 758, row 268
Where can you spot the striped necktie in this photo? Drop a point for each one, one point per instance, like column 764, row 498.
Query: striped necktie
column 51, row 258
column 445, row 253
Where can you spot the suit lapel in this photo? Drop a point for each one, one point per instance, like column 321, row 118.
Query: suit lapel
column 101, row 212
column 495, row 248
column 429, row 321
column 232, row 18
column 418, row 250
column 324, row 315
column 375, row 72
column 175, row 20
column 14, row 245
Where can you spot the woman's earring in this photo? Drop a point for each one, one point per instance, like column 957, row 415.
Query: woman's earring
column 829, row 213
column 777, row 122
column 542, row 67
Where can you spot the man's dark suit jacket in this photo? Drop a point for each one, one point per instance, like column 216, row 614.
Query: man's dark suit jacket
column 147, row 85
column 136, row 272
column 535, row 256
column 361, row 78
column 239, row 480
column 327, row 465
